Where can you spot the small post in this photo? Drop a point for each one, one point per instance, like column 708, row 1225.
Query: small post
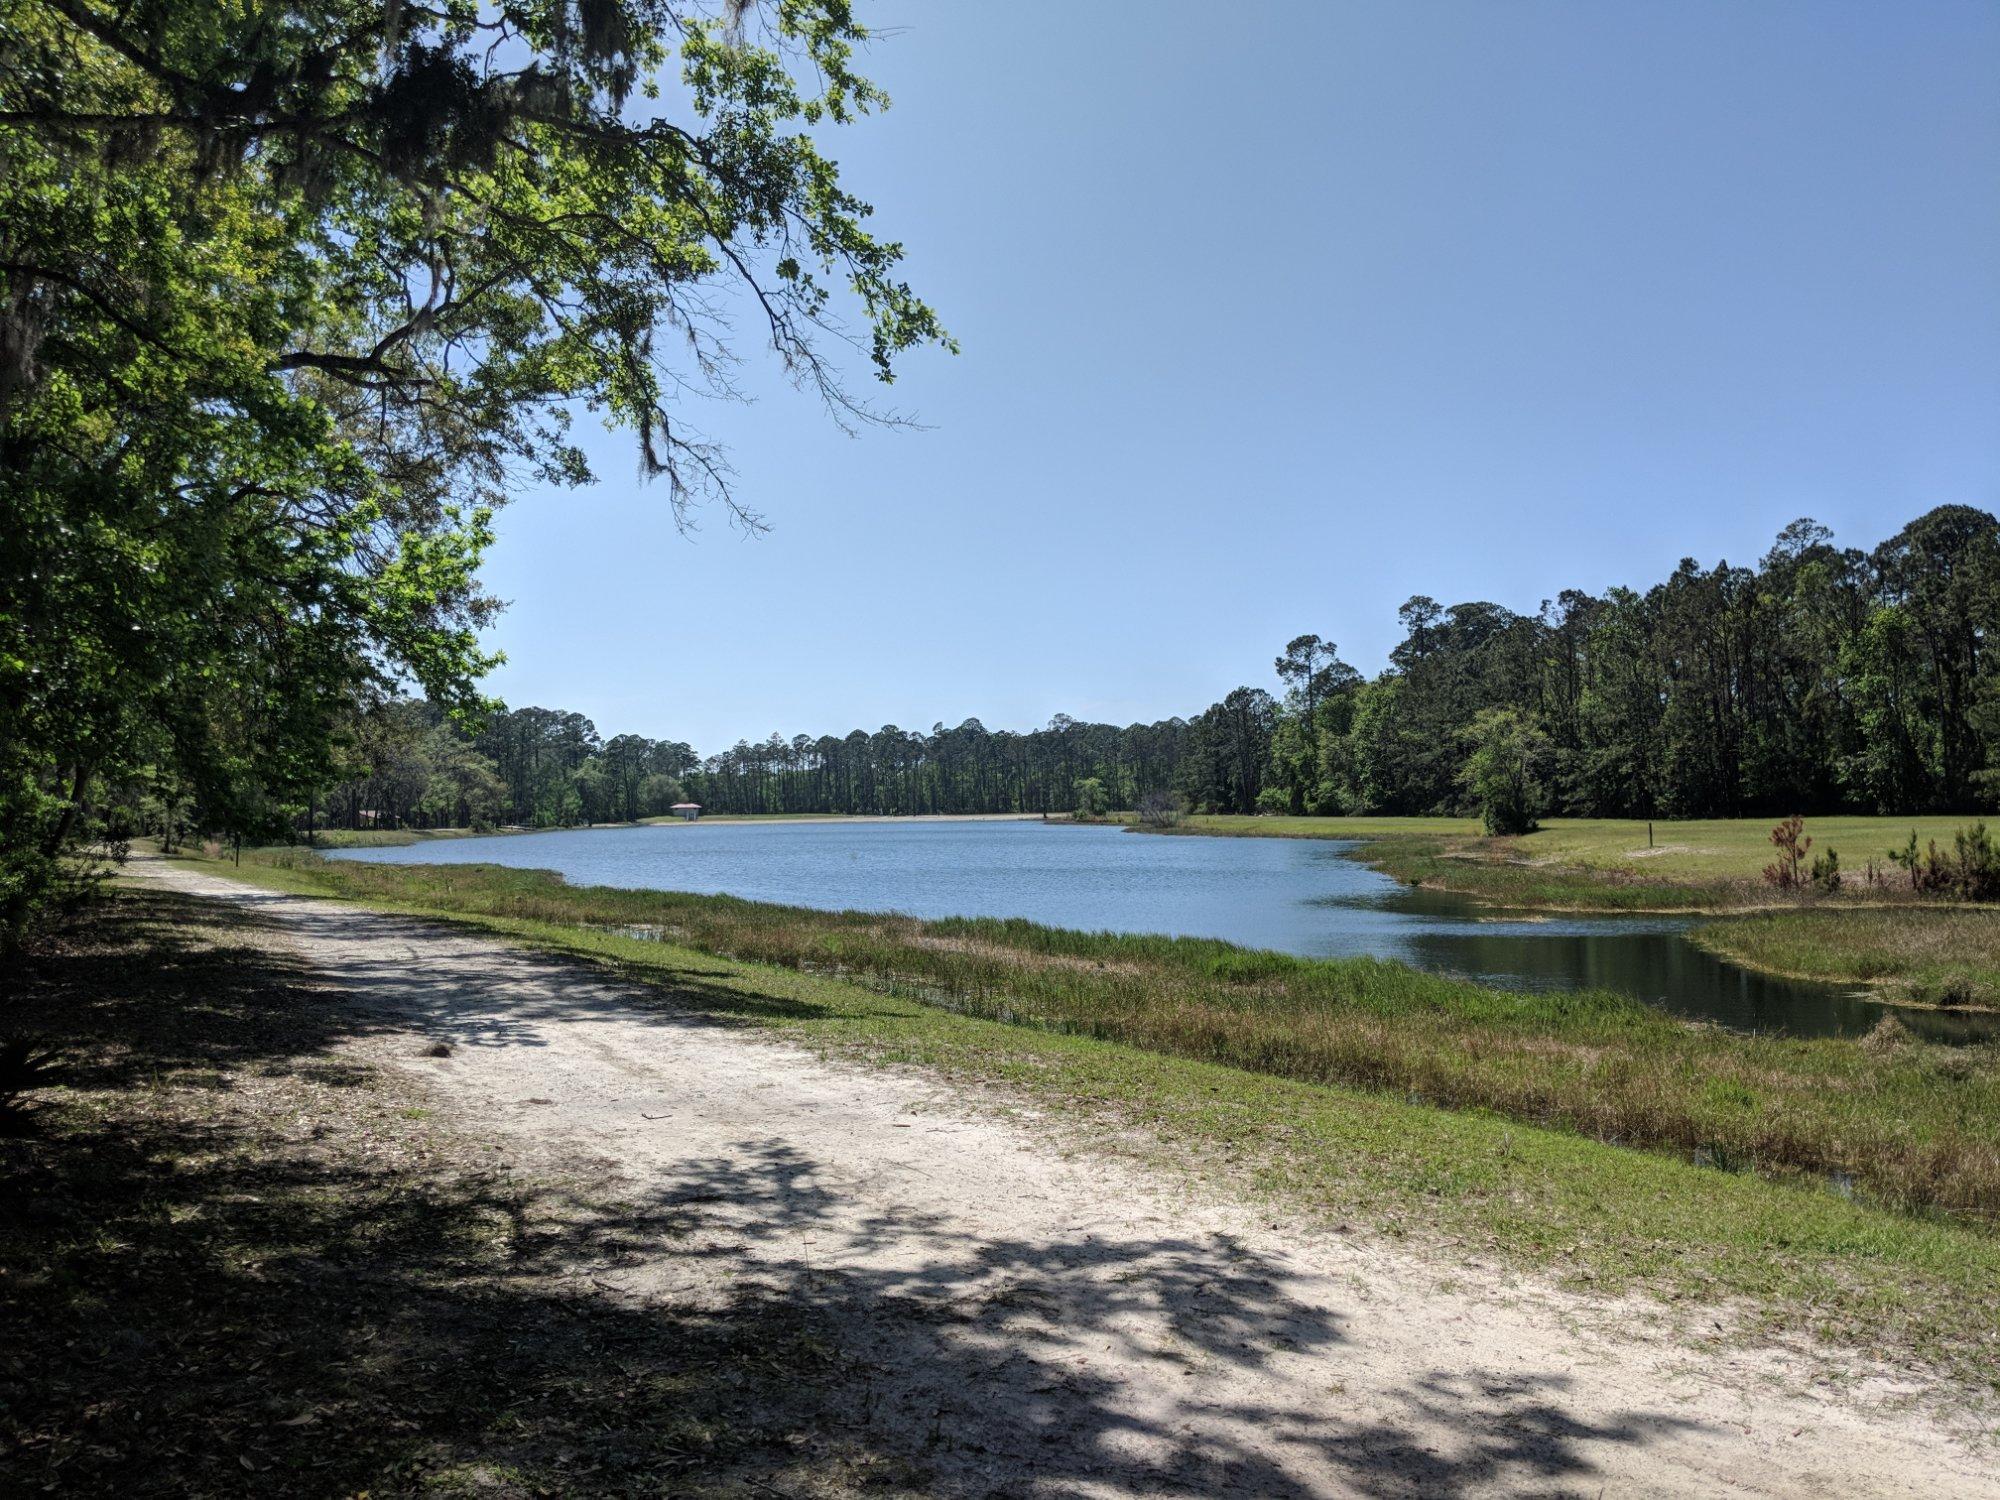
column 1649, row 835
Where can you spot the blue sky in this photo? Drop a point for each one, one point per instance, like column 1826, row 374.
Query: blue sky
column 1273, row 315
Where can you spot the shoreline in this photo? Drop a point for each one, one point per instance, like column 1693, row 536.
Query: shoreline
column 397, row 838
column 1429, row 854
column 1051, row 818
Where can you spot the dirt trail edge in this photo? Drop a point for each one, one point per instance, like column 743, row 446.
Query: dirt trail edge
column 1036, row 1324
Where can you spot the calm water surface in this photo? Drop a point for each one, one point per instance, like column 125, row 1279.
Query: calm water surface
column 1303, row 896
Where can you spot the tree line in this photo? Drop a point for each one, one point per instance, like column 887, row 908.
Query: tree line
column 410, row 765
column 1822, row 679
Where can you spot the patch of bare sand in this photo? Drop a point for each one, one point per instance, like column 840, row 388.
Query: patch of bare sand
column 1038, row 1324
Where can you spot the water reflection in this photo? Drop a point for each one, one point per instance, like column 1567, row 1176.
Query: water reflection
column 1297, row 896
column 1661, row 966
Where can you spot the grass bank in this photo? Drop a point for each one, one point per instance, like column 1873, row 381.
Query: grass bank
column 1909, row 1125
column 382, row 838
column 234, row 1260
column 1501, row 873
column 1784, row 1256
column 1924, row 955
column 396, row 838
column 1229, row 825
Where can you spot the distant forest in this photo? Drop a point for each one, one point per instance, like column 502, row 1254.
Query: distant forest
column 1823, row 679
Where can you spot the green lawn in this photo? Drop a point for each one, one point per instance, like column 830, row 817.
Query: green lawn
column 1709, row 851
column 1722, row 848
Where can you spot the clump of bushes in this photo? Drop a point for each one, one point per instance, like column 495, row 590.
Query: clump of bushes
column 1091, row 800
column 1970, row 871
column 1503, row 773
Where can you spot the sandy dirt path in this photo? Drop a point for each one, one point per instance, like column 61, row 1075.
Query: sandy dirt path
column 1037, row 1322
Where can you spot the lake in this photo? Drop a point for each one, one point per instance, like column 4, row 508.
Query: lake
column 1303, row 896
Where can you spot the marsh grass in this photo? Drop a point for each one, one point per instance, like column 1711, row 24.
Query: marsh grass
column 395, row 838
column 1930, row 955
column 364, row 838
column 1496, row 871
column 1914, row 1127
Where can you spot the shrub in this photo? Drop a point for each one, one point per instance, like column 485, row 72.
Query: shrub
column 1970, row 872
column 1787, row 871
column 1161, row 809
column 1928, row 873
column 1976, row 870
column 1091, row 800
column 1503, row 772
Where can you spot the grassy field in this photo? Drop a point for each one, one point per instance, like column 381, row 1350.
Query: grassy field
column 380, row 838
column 1208, row 1050
column 1913, row 1126
column 1726, row 849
